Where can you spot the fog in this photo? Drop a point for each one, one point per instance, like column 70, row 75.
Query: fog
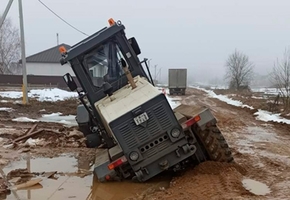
column 197, row 35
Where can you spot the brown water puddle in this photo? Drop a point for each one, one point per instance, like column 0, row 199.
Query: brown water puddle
column 126, row 189
column 70, row 185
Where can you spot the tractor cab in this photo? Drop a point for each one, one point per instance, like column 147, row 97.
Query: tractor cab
column 101, row 64
column 98, row 59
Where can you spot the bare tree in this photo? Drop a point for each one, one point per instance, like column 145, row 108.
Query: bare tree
column 281, row 78
column 9, row 46
column 239, row 70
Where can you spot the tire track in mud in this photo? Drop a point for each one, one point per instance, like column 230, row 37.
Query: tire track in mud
column 267, row 159
column 215, row 181
column 209, row 180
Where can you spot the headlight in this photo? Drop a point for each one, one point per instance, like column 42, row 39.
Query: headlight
column 175, row 133
column 134, row 156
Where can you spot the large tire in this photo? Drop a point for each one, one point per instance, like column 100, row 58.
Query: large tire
column 215, row 144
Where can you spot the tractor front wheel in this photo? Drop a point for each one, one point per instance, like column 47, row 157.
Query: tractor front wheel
column 215, row 144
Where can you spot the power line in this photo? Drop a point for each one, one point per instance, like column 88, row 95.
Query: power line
column 62, row 18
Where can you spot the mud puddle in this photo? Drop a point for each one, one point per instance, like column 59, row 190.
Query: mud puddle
column 256, row 187
column 127, row 190
column 74, row 180
column 65, row 187
column 65, row 163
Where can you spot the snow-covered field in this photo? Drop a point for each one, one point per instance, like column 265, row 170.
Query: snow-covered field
column 271, row 91
column 260, row 115
column 53, row 94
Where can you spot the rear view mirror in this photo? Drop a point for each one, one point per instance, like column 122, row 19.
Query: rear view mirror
column 133, row 42
column 70, row 82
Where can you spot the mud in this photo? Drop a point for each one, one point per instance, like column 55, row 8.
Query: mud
column 36, row 108
column 261, row 148
column 261, row 152
column 73, row 179
column 47, row 137
column 209, row 180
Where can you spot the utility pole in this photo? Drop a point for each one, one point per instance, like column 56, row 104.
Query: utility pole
column 23, row 56
column 155, row 72
column 57, row 39
column 159, row 74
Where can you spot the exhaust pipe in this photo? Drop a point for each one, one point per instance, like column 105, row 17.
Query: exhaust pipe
column 128, row 73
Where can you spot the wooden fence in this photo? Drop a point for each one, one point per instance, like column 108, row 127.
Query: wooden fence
column 34, row 81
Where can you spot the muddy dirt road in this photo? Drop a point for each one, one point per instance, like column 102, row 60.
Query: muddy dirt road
column 261, row 152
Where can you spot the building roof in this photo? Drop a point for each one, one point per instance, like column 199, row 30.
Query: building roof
column 51, row 55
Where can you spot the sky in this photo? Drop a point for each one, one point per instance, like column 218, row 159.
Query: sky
column 197, row 35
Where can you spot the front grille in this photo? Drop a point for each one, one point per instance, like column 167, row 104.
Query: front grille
column 163, row 119
column 158, row 122
column 128, row 136
column 131, row 136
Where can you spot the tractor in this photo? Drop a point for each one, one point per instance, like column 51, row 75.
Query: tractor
column 127, row 119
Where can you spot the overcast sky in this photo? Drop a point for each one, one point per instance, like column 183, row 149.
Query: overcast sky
column 198, row 35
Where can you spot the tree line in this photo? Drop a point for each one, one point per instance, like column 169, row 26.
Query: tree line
column 239, row 74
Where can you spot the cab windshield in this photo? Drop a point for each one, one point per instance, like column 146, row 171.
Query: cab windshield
column 103, row 64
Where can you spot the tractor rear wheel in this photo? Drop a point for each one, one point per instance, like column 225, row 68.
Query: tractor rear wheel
column 217, row 148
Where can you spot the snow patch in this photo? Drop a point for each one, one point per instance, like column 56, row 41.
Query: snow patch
column 267, row 116
column 53, row 117
column 11, row 94
column 262, row 115
column 24, row 119
column 53, row 94
column 6, row 109
column 33, row 142
column 269, row 91
column 58, row 118
column 224, row 98
column 254, row 97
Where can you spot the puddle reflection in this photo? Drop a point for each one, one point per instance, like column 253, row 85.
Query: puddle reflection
column 125, row 189
column 70, row 185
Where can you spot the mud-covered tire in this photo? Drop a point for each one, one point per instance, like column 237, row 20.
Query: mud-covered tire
column 215, row 144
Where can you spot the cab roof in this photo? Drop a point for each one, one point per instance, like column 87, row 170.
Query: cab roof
column 93, row 41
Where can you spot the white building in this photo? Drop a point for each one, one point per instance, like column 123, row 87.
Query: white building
column 46, row 63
